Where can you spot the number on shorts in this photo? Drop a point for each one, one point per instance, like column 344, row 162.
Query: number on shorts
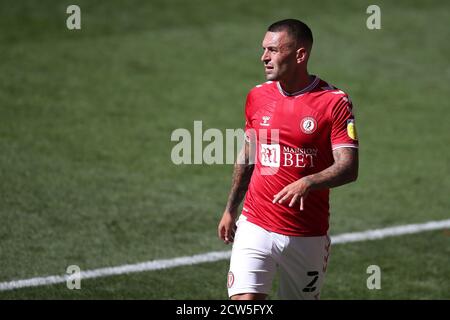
column 310, row 287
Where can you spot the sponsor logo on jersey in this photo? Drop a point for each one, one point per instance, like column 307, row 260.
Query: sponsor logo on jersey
column 299, row 157
column 351, row 129
column 308, row 125
column 270, row 155
column 293, row 157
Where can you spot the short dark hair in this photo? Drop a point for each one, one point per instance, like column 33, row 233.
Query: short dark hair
column 296, row 29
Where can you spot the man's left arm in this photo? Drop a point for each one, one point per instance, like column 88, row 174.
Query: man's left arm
column 342, row 171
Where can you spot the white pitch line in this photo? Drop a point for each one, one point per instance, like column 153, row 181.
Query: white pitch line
column 216, row 256
column 390, row 232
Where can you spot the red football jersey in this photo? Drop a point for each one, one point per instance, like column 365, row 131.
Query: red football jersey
column 295, row 135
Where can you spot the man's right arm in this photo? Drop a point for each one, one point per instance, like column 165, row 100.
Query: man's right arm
column 242, row 173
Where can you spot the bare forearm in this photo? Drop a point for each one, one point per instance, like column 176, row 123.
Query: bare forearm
column 331, row 177
column 343, row 171
column 241, row 178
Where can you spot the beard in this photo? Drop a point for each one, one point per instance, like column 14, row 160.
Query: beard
column 271, row 75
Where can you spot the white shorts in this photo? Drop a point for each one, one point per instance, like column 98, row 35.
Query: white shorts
column 258, row 253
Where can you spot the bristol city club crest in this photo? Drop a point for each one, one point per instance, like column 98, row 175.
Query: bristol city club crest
column 230, row 279
column 308, row 125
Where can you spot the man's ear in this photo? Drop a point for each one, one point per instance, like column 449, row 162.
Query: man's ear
column 301, row 55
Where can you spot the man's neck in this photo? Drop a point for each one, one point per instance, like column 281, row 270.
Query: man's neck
column 297, row 83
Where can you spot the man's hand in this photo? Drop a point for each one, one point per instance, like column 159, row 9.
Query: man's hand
column 296, row 191
column 342, row 171
column 227, row 227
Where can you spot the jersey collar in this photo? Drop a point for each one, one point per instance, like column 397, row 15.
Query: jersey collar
column 304, row 90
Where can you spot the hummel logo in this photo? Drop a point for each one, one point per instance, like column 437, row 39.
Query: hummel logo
column 265, row 119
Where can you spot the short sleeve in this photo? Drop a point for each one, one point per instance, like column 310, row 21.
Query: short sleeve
column 343, row 127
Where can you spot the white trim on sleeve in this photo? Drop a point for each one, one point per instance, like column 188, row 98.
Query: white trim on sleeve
column 344, row 145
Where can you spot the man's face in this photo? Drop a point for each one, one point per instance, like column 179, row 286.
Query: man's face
column 279, row 56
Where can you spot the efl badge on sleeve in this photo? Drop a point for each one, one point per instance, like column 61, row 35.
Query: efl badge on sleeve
column 351, row 129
